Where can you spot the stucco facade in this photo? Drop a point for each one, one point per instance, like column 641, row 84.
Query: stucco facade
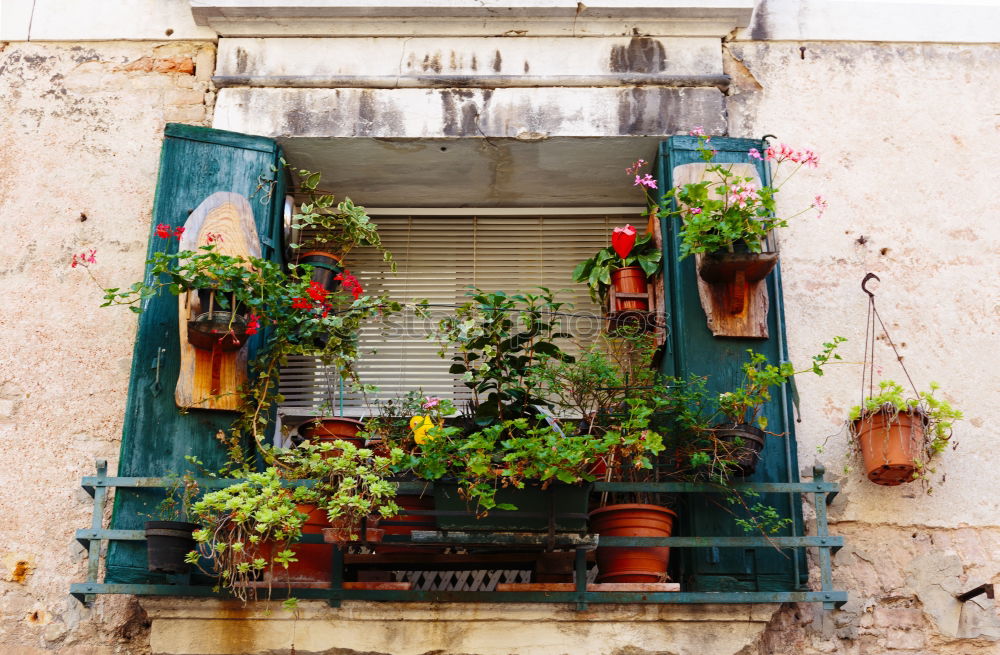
column 906, row 127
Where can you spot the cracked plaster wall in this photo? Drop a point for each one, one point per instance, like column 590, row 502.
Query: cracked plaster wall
column 908, row 137
column 80, row 135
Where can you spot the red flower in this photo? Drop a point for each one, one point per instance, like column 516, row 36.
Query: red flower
column 622, row 240
column 351, row 283
column 253, row 324
column 316, row 291
column 178, row 232
column 163, row 231
column 301, row 303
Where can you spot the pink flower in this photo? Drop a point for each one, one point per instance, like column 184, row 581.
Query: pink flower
column 84, row 258
column 646, row 180
column 820, row 204
column 697, row 131
column 694, row 210
column 431, row 403
column 754, row 154
column 634, row 168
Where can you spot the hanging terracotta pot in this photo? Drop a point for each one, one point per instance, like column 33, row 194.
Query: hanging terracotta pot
column 333, row 428
column 743, row 443
column 632, row 563
column 631, row 279
column 891, row 444
column 326, row 267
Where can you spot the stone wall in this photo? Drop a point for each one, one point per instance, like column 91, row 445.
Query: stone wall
column 80, row 130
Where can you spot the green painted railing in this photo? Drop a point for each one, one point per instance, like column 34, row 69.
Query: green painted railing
column 822, row 491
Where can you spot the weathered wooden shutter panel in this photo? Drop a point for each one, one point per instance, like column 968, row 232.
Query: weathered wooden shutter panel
column 691, row 348
column 194, row 163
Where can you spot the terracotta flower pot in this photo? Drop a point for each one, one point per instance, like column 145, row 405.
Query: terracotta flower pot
column 630, row 279
column 314, row 565
column 340, row 531
column 890, row 445
column 333, row 428
column 632, row 563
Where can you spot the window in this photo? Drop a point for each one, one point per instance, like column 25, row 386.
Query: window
column 440, row 254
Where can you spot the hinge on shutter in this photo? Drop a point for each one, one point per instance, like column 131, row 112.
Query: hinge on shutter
column 156, row 387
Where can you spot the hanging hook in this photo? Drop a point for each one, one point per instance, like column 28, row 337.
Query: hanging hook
column 764, row 139
column 870, row 276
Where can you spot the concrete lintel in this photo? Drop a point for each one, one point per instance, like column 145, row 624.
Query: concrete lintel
column 531, row 113
column 472, row 17
column 304, row 59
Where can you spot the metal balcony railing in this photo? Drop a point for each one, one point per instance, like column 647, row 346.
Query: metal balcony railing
column 93, row 539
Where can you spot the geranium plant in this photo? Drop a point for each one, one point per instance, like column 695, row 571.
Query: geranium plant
column 301, row 316
column 725, row 210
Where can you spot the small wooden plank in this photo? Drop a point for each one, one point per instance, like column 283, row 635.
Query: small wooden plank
column 210, row 379
column 379, row 586
column 600, row 586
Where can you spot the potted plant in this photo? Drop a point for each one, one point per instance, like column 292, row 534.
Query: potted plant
column 494, row 340
column 733, row 445
column 727, row 217
column 633, row 444
column 332, row 230
column 622, row 405
column 248, row 528
column 169, row 537
column 898, row 435
column 512, row 475
column 628, row 262
column 350, row 485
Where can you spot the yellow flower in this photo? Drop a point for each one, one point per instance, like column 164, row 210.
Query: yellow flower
column 420, row 425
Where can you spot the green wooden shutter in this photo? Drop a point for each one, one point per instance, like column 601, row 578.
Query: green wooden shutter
column 194, row 163
column 691, row 348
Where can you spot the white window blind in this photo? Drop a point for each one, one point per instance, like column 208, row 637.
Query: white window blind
column 439, row 256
